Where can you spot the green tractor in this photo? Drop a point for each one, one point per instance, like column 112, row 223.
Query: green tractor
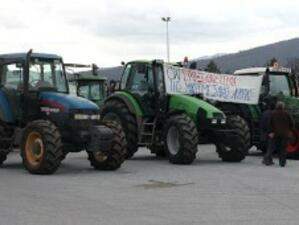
column 279, row 84
column 38, row 115
column 171, row 124
column 86, row 82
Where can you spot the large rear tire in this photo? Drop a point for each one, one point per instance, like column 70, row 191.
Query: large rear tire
column 236, row 148
column 116, row 155
column 116, row 110
column 41, row 147
column 293, row 145
column 181, row 139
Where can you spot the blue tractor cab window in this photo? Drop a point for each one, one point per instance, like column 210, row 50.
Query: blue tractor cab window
column 46, row 74
column 12, row 76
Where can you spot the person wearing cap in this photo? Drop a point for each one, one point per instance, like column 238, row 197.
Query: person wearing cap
column 281, row 125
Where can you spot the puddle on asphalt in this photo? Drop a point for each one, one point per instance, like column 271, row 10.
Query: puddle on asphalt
column 161, row 184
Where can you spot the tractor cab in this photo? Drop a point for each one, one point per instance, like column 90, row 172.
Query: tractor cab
column 24, row 77
column 85, row 81
column 276, row 80
column 144, row 80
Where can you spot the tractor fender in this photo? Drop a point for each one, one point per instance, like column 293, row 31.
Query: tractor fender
column 129, row 100
column 6, row 114
column 131, row 103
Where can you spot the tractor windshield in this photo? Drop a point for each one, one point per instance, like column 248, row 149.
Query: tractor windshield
column 92, row 90
column 279, row 85
column 47, row 74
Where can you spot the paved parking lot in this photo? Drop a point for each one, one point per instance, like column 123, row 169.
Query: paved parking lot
column 147, row 190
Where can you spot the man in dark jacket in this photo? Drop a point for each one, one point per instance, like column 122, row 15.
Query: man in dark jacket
column 281, row 124
column 265, row 124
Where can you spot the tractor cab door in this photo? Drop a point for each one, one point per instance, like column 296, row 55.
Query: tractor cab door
column 138, row 79
column 12, row 87
column 44, row 75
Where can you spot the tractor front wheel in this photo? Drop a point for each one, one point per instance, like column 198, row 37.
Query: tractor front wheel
column 116, row 156
column 41, row 147
column 181, row 138
column 236, row 148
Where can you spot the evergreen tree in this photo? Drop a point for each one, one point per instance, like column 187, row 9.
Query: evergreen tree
column 212, row 67
column 293, row 63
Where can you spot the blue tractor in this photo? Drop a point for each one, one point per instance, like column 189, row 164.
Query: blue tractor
column 38, row 115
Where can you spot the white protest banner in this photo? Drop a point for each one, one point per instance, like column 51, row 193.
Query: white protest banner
column 220, row 87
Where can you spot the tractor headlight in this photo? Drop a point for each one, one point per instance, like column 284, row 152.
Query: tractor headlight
column 214, row 121
column 81, row 117
column 223, row 121
column 95, row 117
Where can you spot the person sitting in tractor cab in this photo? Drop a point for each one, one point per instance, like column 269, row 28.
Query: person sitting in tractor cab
column 43, row 74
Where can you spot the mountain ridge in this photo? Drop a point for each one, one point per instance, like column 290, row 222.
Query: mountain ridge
column 283, row 51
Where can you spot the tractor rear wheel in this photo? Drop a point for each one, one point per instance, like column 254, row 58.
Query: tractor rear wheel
column 41, row 147
column 116, row 110
column 181, row 139
column 293, row 145
column 116, row 156
column 236, row 148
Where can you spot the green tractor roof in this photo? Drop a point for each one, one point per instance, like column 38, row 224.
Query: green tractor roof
column 146, row 61
column 85, row 75
column 91, row 74
column 259, row 70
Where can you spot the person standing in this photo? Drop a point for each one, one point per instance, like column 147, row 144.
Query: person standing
column 281, row 125
column 111, row 88
column 265, row 124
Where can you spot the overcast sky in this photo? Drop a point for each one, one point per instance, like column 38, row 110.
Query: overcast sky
column 110, row 31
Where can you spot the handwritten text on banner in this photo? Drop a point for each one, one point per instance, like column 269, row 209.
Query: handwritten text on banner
column 221, row 87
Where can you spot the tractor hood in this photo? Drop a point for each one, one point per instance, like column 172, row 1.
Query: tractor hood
column 191, row 105
column 65, row 102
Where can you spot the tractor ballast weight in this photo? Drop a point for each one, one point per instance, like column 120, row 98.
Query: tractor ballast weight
column 38, row 115
column 279, row 84
column 171, row 124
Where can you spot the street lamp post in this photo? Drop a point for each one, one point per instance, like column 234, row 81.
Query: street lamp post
column 167, row 20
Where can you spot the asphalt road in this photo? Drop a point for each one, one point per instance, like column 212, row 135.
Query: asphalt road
column 147, row 190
